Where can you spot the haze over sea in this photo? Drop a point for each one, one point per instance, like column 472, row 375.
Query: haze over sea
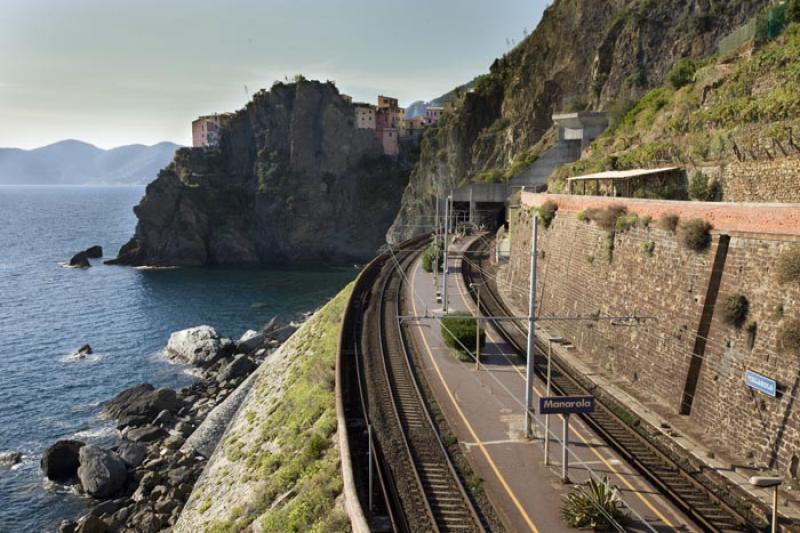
column 47, row 312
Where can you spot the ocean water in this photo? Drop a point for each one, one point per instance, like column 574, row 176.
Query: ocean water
column 47, row 312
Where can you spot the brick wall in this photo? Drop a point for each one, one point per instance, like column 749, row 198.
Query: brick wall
column 652, row 359
column 762, row 181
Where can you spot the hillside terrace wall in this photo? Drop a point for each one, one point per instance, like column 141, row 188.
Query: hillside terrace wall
column 651, row 360
column 762, row 181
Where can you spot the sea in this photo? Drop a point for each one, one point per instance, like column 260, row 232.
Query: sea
column 47, row 312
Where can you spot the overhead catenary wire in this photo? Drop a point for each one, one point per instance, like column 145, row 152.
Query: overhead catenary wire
column 520, row 402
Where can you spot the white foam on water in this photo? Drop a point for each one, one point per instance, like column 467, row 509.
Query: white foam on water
column 75, row 357
column 147, row 267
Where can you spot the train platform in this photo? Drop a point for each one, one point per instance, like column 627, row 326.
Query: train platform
column 485, row 409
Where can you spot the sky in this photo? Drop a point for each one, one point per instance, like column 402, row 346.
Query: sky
column 115, row 72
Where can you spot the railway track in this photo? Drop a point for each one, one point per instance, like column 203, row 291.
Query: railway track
column 678, row 482
column 414, row 482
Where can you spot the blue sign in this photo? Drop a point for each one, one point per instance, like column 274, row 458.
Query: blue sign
column 565, row 405
column 760, row 383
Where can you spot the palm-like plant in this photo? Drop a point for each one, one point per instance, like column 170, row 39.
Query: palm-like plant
column 594, row 505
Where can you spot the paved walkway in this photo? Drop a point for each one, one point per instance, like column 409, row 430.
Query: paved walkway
column 485, row 409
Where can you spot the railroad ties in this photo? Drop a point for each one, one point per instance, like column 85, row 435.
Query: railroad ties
column 679, row 483
column 431, row 494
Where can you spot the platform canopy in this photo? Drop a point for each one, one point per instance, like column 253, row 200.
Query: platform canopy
column 624, row 177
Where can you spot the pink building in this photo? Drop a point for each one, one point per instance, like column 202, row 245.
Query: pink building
column 391, row 141
column 433, row 114
column 365, row 116
column 206, row 129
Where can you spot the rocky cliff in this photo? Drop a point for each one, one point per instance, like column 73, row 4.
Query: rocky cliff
column 583, row 55
column 292, row 181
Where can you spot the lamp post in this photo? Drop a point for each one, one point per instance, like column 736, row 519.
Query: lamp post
column 765, row 482
column 477, row 288
column 531, row 332
column 550, row 342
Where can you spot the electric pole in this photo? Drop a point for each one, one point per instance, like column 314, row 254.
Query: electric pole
column 531, row 332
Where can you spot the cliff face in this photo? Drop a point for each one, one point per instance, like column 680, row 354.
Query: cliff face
column 292, row 181
column 583, row 55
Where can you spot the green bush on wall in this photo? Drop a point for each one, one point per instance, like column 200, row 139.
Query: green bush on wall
column 695, row 234
column 547, row 212
column 789, row 266
column 458, row 331
column 735, row 310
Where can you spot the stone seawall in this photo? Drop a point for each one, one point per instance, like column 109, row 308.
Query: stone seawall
column 682, row 353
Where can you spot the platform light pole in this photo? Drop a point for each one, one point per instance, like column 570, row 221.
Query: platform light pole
column 531, row 332
column 445, row 264
column 775, row 482
column 550, row 342
column 477, row 288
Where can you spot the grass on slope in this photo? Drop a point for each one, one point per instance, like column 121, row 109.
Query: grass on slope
column 288, row 453
column 742, row 99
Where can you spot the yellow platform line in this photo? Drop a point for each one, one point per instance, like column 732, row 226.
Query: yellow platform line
column 470, row 305
column 464, row 419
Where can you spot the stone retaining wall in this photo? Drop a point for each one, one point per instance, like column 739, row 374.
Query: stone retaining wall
column 762, row 181
column 650, row 274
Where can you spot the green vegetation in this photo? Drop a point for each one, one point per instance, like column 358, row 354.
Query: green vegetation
column 285, row 452
column 432, row 256
column 458, row 331
column 491, row 176
column 695, row 234
column 648, row 248
column 594, row 505
column 701, row 111
column 547, row 212
column 789, row 336
column 702, row 189
column 788, row 266
column 735, row 309
column 682, row 73
column 605, row 217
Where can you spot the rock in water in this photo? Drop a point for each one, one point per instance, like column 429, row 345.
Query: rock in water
column 140, row 404
column 84, row 350
column 9, row 459
column 101, row 472
column 199, row 346
column 241, row 366
column 61, row 460
column 80, row 260
column 94, row 252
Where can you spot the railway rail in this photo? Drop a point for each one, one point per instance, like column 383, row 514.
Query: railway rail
column 404, row 477
column 678, row 482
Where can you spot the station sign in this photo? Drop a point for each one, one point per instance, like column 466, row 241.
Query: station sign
column 760, row 383
column 565, row 405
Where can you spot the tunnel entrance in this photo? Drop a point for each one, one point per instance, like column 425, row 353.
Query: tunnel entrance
column 491, row 215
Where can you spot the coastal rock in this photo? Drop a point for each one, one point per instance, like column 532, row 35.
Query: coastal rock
column 145, row 434
column 61, row 460
column 132, row 453
column 250, row 341
column 140, row 404
column 199, row 346
column 91, row 524
column 102, row 473
column 80, row 260
column 9, row 459
column 83, row 351
column 94, row 252
column 274, row 190
column 241, row 366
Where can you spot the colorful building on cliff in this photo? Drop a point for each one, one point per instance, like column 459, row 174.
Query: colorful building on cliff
column 206, row 129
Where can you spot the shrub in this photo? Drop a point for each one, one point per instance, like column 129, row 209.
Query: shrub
column 789, row 336
column 735, row 309
column 789, row 266
column 547, row 212
column 695, row 234
column 702, row 189
column 626, row 222
column 594, row 505
column 433, row 253
column 669, row 222
column 458, row 331
column 606, row 217
column 648, row 247
column 682, row 73
column 645, row 221
column 581, row 216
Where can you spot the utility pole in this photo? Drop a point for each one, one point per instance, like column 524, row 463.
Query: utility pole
column 477, row 288
column 531, row 332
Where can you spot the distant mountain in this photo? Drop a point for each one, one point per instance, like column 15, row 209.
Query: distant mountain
column 73, row 162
